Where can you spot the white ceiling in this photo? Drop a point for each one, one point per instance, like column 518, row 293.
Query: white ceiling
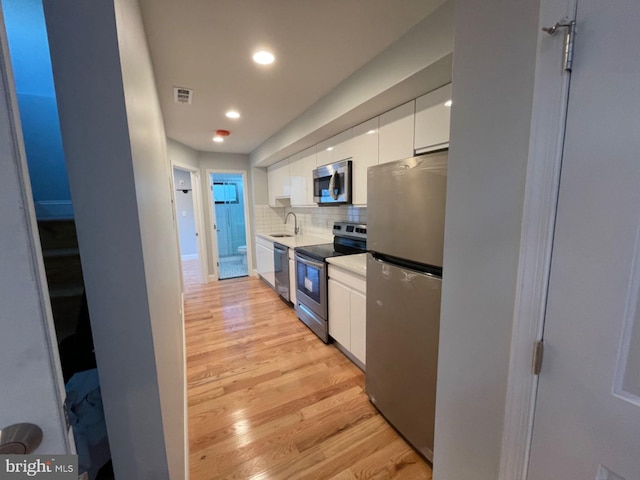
column 206, row 45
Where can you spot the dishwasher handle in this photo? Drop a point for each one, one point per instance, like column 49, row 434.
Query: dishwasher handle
column 280, row 248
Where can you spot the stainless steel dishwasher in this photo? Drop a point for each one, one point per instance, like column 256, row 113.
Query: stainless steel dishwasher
column 281, row 267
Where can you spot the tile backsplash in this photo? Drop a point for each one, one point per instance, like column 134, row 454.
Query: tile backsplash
column 314, row 221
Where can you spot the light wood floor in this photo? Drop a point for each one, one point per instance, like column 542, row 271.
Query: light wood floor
column 269, row 400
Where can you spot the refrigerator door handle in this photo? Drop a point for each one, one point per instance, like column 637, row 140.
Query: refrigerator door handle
column 426, row 270
column 376, row 257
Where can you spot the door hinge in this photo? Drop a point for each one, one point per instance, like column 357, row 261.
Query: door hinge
column 538, row 350
column 569, row 41
column 217, row 264
column 66, row 409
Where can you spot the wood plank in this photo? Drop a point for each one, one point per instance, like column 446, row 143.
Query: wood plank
column 267, row 399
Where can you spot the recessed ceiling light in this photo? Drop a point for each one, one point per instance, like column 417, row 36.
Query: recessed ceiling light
column 218, row 139
column 448, row 103
column 330, row 148
column 232, row 114
column 263, row 57
column 370, row 132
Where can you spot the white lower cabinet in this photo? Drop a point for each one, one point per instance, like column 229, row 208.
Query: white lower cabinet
column 340, row 312
column 347, row 311
column 264, row 260
column 359, row 325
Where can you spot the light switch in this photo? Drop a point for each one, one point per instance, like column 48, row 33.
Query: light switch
column 184, row 213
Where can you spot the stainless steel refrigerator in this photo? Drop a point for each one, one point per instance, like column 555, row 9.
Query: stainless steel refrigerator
column 405, row 217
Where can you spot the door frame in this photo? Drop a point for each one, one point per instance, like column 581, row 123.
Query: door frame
column 247, row 222
column 194, row 173
column 546, row 142
column 17, row 160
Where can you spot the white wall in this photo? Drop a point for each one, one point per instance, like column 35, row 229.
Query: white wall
column 493, row 76
column 158, row 230
column 178, row 152
column 223, row 161
column 185, row 213
column 115, row 147
column 30, row 372
column 260, row 186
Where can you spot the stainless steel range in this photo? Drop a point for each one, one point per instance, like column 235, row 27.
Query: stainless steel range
column 311, row 274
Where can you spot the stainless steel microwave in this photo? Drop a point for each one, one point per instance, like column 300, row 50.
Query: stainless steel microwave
column 332, row 183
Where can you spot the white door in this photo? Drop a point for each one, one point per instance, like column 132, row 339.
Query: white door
column 32, row 390
column 587, row 419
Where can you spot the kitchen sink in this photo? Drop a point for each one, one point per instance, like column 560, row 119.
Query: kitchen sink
column 280, row 235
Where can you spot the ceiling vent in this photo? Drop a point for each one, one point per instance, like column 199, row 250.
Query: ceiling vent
column 182, row 95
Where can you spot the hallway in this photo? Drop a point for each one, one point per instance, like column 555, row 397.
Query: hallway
column 267, row 399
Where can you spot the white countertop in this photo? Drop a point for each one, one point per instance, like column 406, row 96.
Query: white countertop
column 295, row 241
column 353, row 263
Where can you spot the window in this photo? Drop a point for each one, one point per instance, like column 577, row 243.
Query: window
column 225, row 192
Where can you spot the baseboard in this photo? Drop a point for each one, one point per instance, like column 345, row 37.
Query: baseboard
column 193, row 256
column 213, row 278
column 349, row 355
column 54, row 210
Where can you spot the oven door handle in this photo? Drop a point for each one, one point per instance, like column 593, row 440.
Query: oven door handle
column 305, row 261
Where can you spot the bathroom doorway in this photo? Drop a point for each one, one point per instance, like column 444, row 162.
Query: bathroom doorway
column 229, row 202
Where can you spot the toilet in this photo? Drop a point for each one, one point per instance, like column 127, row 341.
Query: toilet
column 242, row 250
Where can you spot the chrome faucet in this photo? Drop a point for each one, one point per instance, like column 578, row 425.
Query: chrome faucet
column 296, row 228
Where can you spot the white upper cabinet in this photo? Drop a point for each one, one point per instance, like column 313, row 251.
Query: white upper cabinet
column 433, row 115
column 396, row 133
column 340, row 313
column 418, row 126
column 365, row 155
column 278, row 181
column 339, row 147
column 301, row 178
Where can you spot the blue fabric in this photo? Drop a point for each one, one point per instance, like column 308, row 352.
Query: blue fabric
column 87, row 420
